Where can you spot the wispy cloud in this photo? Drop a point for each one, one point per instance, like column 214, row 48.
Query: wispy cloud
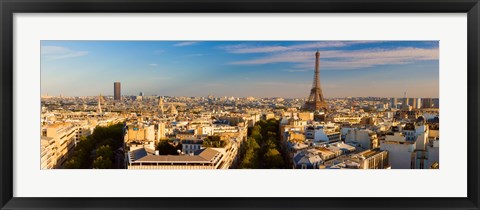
column 288, row 57
column 182, row 44
column 195, row 55
column 351, row 59
column 153, row 64
column 158, row 51
column 213, row 84
column 243, row 48
column 297, row 70
column 249, row 48
column 283, row 84
column 57, row 52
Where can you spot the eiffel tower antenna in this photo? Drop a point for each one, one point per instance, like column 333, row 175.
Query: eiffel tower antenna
column 316, row 101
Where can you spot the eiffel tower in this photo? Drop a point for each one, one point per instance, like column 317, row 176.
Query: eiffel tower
column 315, row 100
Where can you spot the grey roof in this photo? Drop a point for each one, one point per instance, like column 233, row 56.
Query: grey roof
column 206, row 156
column 197, row 152
column 191, row 141
column 139, row 153
column 307, row 157
column 170, row 158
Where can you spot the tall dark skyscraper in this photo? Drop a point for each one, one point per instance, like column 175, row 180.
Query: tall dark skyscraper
column 315, row 100
column 116, row 91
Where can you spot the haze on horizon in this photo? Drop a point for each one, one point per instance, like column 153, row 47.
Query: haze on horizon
column 240, row 68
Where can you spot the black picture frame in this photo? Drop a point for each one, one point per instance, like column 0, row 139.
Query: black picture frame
column 10, row 7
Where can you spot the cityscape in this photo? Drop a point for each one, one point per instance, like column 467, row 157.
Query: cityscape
column 239, row 105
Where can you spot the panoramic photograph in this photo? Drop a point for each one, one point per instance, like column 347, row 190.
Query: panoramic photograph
column 319, row 104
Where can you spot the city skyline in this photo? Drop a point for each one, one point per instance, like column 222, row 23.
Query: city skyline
column 240, row 68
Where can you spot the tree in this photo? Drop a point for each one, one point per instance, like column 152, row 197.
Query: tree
column 261, row 149
column 270, row 143
column 165, row 148
column 273, row 159
column 102, row 163
column 252, row 143
column 248, row 159
column 256, row 133
column 178, row 147
column 250, row 154
column 214, row 141
column 105, row 151
column 83, row 138
column 111, row 136
column 73, row 163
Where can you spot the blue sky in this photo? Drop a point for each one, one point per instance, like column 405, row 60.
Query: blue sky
column 240, row 68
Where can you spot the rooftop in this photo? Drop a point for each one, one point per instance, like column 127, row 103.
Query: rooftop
column 369, row 153
column 206, row 156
